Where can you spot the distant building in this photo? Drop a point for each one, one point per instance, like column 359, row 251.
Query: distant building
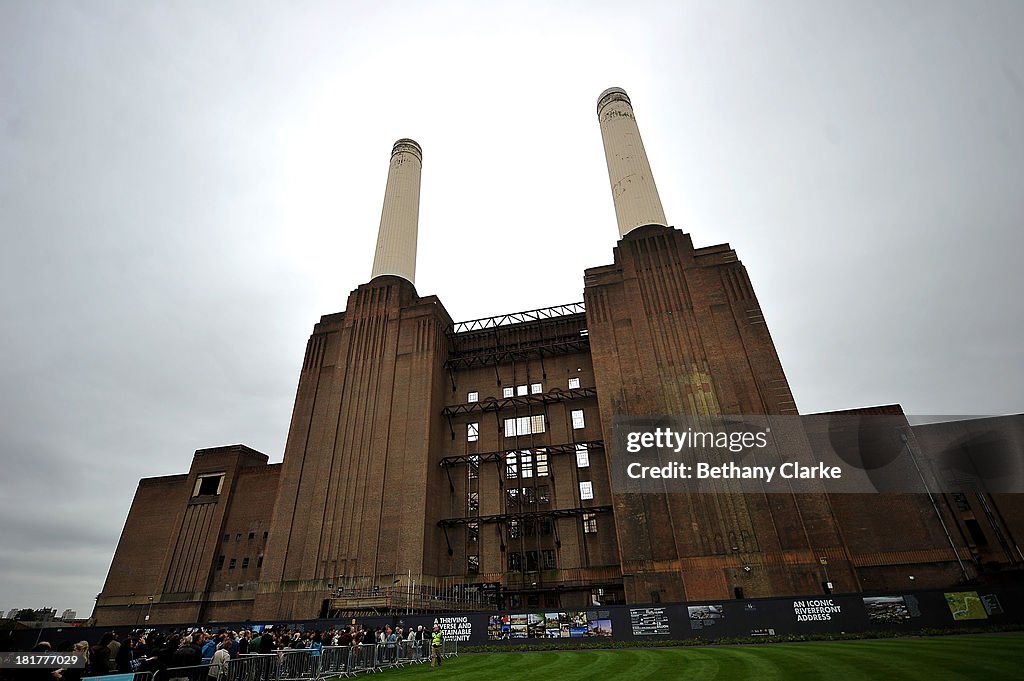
column 12, row 612
column 69, row 615
column 45, row 614
column 432, row 464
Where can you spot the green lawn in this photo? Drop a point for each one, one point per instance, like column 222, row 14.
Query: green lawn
column 991, row 657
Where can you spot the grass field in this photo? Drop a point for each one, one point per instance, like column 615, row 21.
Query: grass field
column 992, row 657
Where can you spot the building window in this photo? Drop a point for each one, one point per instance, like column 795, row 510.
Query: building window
column 515, row 562
column 522, row 389
column 472, row 432
column 577, row 419
column 259, row 561
column 590, row 523
column 586, row 490
column 231, row 565
column 227, row 537
column 508, row 392
column 252, row 535
column 548, row 559
column 526, row 464
column 543, row 494
column 474, row 467
column 524, row 425
column 473, row 503
column 220, row 562
column 542, row 464
column 513, row 529
column 512, row 497
column 582, row 456
column 473, row 532
column 238, row 537
column 511, row 466
column 536, row 388
column 473, row 565
column 574, row 383
column 245, row 562
column 265, row 536
column 529, row 496
column 208, row 485
column 473, row 397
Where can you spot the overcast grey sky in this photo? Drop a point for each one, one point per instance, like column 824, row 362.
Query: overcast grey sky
column 185, row 187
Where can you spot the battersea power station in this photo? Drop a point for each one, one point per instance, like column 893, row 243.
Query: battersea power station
column 434, row 465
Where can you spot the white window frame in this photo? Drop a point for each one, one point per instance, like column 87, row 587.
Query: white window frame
column 508, row 391
column 536, row 388
column 578, row 421
column 473, row 396
column 574, row 383
column 207, row 476
column 582, row 456
column 543, row 469
column 511, row 466
column 586, row 490
column 525, row 425
column 522, row 390
column 473, row 431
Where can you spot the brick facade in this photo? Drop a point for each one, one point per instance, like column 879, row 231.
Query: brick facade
column 401, row 463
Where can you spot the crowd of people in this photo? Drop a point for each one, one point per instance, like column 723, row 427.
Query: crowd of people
column 155, row 651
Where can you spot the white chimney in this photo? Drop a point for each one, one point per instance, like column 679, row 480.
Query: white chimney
column 399, row 219
column 636, row 197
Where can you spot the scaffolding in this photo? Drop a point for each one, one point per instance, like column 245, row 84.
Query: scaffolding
column 519, row 317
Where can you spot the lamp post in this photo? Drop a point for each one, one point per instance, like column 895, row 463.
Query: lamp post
column 149, row 608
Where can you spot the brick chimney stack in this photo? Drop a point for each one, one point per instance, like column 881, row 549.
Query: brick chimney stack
column 636, row 197
column 399, row 219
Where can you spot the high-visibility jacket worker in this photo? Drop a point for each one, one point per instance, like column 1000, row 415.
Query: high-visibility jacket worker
column 436, row 646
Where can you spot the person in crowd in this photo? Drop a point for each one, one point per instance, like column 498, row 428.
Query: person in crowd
column 410, row 643
column 115, row 648
column 267, row 643
column 209, row 648
column 243, row 642
column 422, row 638
column 99, row 656
column 125, row 656
column 164, row 657
column 39, row 674
column 219, row 662
column 75, row 674
column 187, row 654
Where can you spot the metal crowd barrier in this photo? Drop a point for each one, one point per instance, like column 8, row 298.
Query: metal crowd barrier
column 302, row 664
column 125, row 676
column 195, row 673
column 324, row 663
column 334, row 661
column 364, row 659
column 254, row 667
